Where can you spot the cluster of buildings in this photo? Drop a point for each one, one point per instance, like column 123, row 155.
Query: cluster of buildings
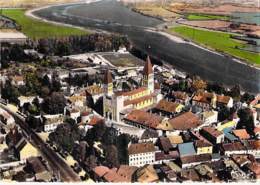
column 178, row 139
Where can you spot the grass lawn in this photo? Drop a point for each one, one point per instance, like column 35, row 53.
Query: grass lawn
column 155, row 10
column 193, row 17
column 218, row 41
column 36, row 29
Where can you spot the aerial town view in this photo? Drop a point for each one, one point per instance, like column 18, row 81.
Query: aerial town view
column 130, row 91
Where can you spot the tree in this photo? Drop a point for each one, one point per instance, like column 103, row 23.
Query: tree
column 45, row 91
column 91, row 161
column 10, row 93
column 54, row 104
column 235, row 92
column 17, row 53
column 46, row 81
column 32, row 83
column 34, row 123
column 247, row 97
column 216, row 87
column 223, row 114
column 199, row 84
column 63, row 49
column 122, row 145
column 65, row 136
column 109, row 136
column 111, row 155
column 246, row 120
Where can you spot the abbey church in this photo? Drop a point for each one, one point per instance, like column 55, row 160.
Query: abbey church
column 116, row 104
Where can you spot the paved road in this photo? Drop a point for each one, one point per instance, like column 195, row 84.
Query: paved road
column 55, row 162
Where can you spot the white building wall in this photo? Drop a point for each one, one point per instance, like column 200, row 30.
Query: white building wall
column 141, row 159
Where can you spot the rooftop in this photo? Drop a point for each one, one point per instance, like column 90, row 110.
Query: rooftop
column 180, row 95
column 141, row 148
column 241, row 134
column 167, row 106
column 195, row 158
column 185, row 121
column 175, row 139
column 206, row 97
column 186, row 149
column 233, row 146
column 212, row 131
column 144, row 118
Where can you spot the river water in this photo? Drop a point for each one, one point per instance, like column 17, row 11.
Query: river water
column 109, row 15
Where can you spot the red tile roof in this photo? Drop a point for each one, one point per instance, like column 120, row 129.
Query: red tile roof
column 95, row 120
column 212, row 131
column 196, row 158
column 255, row 168
column 241, row 133
column 101, row 170
column 236, row 146
column 185, row 121
column 206, row 97
column 254, row 144
column 202, row 143
column 141, row 148
column 126, row 172
column 180, row 95
column 144, row 118
column 167, row 106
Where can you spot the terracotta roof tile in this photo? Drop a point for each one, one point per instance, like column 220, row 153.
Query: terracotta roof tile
column 212, row 131
column 165, row 144
column 236, row 146
column 180, row 95
column 196, row 158
column 255, row 167
column 141, row 148
column 101, row 170
column 202, row 143
column 167, row 106
column 126, row 172
column 185, row 121
column 254, row 144
column 175, row 139
column 206, row 97
column 144, row 118
column 95, row 120
column 241, row 133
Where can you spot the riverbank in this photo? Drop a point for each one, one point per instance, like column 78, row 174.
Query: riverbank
column 219, row 41
column 183, row 55
column 37, row 29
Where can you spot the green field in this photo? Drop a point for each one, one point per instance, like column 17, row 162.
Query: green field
column 218, row 41
column 37, row 29
column 193, row 17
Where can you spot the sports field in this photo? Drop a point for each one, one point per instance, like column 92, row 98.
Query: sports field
column 36, row 29
column 218, row 41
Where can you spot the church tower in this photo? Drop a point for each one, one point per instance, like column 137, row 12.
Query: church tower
column 108, row 83
column 148, row 76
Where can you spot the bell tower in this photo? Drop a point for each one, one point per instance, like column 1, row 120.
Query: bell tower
column 148, row 75
column 108, row 83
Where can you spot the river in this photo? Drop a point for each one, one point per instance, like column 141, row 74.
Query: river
column 109, row 15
